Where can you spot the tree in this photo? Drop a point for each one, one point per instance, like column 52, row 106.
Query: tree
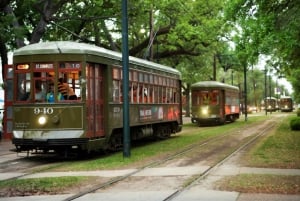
column 25, row 21
column 181, row 34
column 271, row 28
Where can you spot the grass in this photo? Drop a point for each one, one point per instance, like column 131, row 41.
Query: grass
column 260, row 183
column 38, row 186
column 280, row 149
column 141, row 154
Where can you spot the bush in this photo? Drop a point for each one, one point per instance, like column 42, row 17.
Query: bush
column 295, row 123
column 298, row 112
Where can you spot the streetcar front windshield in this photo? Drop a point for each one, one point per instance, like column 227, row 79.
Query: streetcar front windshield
column 206, row 98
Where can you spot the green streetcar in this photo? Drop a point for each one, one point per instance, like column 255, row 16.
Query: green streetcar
column 93, row 120
column 214, row 103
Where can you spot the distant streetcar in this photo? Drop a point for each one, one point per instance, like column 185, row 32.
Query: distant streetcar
column 88, row 116
column 286, row 104
column 271, row 104
column 214, row 103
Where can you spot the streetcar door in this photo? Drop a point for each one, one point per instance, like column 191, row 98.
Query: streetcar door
column 94, row 100
column 8, row 99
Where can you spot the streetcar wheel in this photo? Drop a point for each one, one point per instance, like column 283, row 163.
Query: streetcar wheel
column 116, row 142
column 163, row 132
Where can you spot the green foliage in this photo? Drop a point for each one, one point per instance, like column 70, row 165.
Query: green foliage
column 267, row 27
column 296, row 84
column 295, row 123
column 185, row 33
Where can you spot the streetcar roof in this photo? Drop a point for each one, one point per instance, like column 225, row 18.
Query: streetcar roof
column 213, row 84
column 285, row 97
column 70, row 47
column 271, row 98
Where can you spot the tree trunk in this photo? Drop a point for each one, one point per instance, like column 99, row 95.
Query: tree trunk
column 3, row 53
column 187, row 94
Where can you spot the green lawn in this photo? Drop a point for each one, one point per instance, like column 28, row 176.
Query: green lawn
column 260, row 183
column 154, row 149
column 280, row 149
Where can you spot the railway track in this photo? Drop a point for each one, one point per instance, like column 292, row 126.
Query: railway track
column 182, row 152
column 219, row 163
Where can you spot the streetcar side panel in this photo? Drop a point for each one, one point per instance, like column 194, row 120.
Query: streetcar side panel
column 232, row 108
column 154, row 104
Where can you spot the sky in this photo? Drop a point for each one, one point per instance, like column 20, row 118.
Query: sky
column 282, row 81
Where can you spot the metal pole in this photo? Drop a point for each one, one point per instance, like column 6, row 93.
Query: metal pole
column 266, row 91
column 270, row 85
column 125, row 60
column 245, row 90
column 270, row 90
column 214, row 68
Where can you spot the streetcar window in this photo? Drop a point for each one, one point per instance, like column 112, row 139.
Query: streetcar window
column 150, row 78
column 135, row 76
column 116, row 73
column 69, row 80
column 169, row 95
column 160, row 82
column 145, row 94
column 130, row 75
column 9, row 84
column 156, row 94
column 23, row 84
column 205, row 98
column 134, row 92
column 146, row 78
column 42, row 81
column 141, row 77
column 40, row 91
column 145, row 88
column 150, row 94
column 215, row 97
column 116, row 90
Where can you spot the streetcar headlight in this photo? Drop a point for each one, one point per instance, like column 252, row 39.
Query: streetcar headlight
column 42, row 120
column 204, row 111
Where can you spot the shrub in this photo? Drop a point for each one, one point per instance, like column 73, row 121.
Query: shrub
column 298, row 112
column 295, row 123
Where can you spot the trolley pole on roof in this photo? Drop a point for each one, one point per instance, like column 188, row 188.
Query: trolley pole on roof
column 125, row 61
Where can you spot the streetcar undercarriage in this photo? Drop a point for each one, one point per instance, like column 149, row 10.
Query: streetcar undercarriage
column 67, row 146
